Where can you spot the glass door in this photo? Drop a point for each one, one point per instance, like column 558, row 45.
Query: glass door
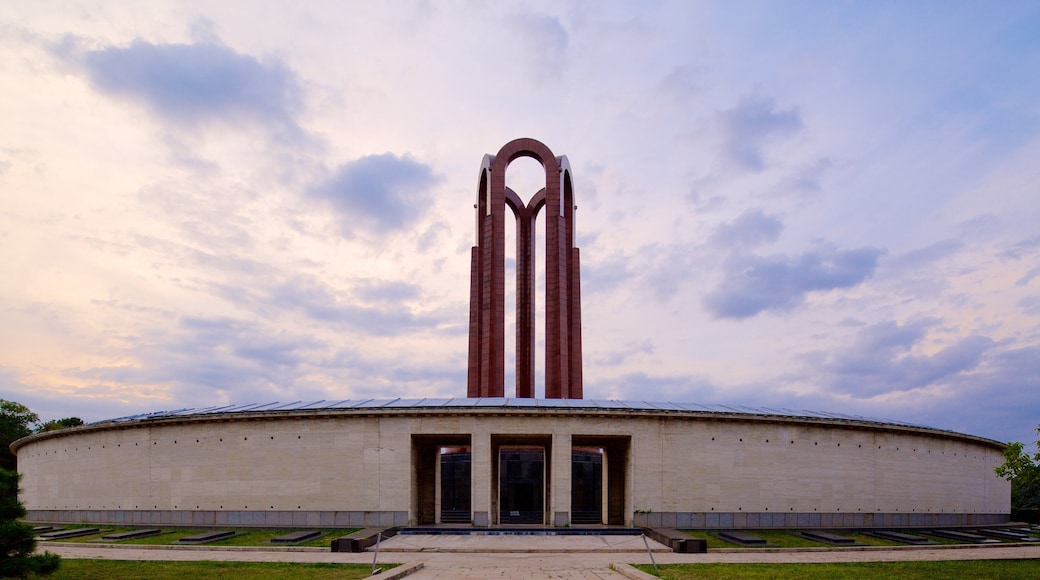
column 455, row 485
column 521, row 486
column 586, row 486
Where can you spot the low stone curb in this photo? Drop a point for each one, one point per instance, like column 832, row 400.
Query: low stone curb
column 869, row 548
column 399, row 572
column 43, row 546
column 522, row 550
column 629, row 571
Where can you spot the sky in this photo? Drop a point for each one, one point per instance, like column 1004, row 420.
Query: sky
column 831, row 206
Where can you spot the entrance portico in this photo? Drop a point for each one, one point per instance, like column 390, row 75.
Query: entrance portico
column 515, row 479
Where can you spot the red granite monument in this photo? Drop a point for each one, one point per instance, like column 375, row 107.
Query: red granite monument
column 487, row 279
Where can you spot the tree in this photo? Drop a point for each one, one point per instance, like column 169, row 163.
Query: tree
column 1023, row 471
column 17, row 541
column 16, row 421
column 56, row 424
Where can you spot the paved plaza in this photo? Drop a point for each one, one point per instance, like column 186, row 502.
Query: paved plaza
column 509, row 557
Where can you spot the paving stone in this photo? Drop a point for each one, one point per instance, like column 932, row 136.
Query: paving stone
column 592, row 563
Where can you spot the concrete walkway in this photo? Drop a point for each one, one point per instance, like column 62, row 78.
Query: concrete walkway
column 561, row 557
column 482, row 544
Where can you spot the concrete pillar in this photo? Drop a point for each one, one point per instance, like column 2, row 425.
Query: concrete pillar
column 560, row 486
column 481, row 488
column 525, row 297
column 437, row 487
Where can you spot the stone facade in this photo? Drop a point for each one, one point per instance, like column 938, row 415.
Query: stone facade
column 372, row 467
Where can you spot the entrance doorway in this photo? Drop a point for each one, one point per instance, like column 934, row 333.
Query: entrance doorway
column 599, row 476
column 521, row 485
column 455, row 485
column 441, row 479
column 587, row 485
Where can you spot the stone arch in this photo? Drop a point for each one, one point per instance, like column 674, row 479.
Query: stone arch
column 486, row 374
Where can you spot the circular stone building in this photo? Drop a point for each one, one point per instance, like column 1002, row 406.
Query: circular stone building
column 491, row 461
column 499, row 462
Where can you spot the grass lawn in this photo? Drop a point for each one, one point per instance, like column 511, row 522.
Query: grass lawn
column 714, row 542
column 125, row 569
column 786, row 539
column 996, row 569
column 104, row 530
column 871, row 540
column 777, row 539
column 245, row 537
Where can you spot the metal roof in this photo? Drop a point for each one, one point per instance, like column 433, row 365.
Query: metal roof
column 508, row 403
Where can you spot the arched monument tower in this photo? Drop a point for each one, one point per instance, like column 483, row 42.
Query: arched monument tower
column 562, row 279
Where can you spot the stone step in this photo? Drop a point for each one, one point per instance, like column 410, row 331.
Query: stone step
column 742, row 538
column 902, row 537
column 963, row 536
column 829, row 538
column 70, row 533
column 296, row 537
column 142, row 533
column 207, row 537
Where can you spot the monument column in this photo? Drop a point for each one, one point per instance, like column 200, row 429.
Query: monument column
column 486, row 372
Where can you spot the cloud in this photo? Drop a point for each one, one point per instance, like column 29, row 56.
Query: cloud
column 982, row 226
column 804, row 183
column 666, row 268
column 684, row 82
column 754, row 284
column 1028, row 277
column 882, row 359
column 922, row 272
column 1002, row 394
column 1022, row 248
column 377, row 194
column 890, row 336
column 751, row 228
column 432, row 237
column 605, row 275
column 380, row 291
column 640, row 386
column 240, row 340
column 211, row 359
column 1030, row 305
column 198, row 83
column 378, row 377
column 110, row 279
column 622, row 355
column 916, row 260
column 753, row 124
column 88, row 403
column 544, row 41
column 974, row 385
column 315, row 300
